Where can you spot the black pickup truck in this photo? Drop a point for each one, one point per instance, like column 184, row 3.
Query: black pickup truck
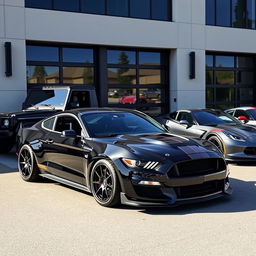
column 40, row 103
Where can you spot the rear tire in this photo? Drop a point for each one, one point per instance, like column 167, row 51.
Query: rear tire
column 217, row 142
column 104, row 184
column 27, row 164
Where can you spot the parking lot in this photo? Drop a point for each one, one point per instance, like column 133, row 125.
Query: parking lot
column 50, row 219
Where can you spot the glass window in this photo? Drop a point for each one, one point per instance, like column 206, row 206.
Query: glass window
column 209, row 77
column 78, row 75
column 48, row 124
column 150, row 95
column 246, row 94
column 185, row 116
column 209, row 94
column 246, row 78
column 223, row 13
column 95, row 6
column 67, row 5
column 78, row 55
column 225, row 61
column 122, row 96
column 238, row 13
column 43, row 75
column 160, row 9
column 245, row 62
column 150, row 76
column 121, row 76
column 225, row 94
column 225, row 77
column 45, row 4
column 251, row 14
column 210, row 12
column 149, row 58
column 209, row 61
column 117, row 7
column 42, row 53
column 121, row 57
column 140, row 9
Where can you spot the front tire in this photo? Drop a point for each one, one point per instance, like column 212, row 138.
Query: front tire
column 27, row 164
column 217, row 142
column 104, row 184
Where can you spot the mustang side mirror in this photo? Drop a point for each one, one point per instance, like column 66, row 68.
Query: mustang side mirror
column 185, row 123
column 69, row 134
column 244, row 119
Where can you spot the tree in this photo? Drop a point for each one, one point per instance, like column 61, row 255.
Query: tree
column 40, row 74
column 123, row 60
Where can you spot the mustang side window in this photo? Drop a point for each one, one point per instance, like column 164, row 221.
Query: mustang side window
column 48, row 124
column 67, row 123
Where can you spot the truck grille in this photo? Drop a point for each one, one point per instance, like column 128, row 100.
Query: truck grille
column 206, row 188
column 197, row 167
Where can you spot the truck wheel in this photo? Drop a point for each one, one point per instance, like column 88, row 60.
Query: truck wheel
column 6, row 146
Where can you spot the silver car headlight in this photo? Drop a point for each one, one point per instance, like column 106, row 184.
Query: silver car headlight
column 234, row 136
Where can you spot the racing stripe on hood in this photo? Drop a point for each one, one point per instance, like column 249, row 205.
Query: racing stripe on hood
column 194, row 152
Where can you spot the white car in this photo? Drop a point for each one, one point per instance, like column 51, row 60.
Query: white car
column 246, row 115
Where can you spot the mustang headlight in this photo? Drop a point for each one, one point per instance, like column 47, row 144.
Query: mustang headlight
column 234, row 136
column 136, row 163
column 6, row 123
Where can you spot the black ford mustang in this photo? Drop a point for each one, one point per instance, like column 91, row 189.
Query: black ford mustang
column 122, row 156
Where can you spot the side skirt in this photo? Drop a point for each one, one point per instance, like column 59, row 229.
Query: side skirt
column 66, row 182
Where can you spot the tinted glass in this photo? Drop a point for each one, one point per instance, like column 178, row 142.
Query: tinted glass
column 209, row 60
column 48, row 124
column 117, row 7
column 213, row 118
column 245, row 62
column 161, row 10
column 122, row 96
column 42, row 53
column 209, row 94
column 246, row 94
column 238, row 13
column 251, row 14
column 121, row 76
column 225, row 61
column 111, row 124
column 150, row 95
column 78, row 75
column 225, row 77
column 42, row 75
column 47, row 4
column 246, row 78
column 67, row 5
column 225, row 94
column 149, row 58
column 210, row 12
column 140, row 9
column 121, row 57
column 223, row 12
column 47, row 98
column 253, row 113
column 77, row 55
column 150, row 76
column 209, row 77
column 93, row 6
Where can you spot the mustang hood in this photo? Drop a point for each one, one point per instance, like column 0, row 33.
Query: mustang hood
column 27, row 113
column 165, row 146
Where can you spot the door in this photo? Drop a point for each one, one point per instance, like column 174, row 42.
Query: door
column 66, row 156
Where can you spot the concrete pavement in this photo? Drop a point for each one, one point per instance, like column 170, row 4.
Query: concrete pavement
column 49, row 219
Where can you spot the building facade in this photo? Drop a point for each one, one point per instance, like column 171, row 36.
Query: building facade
column 153, row 55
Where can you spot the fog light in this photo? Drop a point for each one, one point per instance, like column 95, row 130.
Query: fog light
column 226, row 186
column 151, row 183
column 6, row 123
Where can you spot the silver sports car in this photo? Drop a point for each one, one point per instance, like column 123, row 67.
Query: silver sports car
column 236, row 140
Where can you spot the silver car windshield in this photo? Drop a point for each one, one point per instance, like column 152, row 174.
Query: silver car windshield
column 50, row 98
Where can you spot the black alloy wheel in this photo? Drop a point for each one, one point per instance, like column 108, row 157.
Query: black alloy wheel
column 217, row 142
column 104, row 184
column 27, row 164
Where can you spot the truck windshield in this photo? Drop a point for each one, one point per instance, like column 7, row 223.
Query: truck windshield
column 50, row 98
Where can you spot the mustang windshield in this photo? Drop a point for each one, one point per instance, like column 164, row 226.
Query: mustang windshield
column 53, row 98
column 214, row 118
column 118, row 123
